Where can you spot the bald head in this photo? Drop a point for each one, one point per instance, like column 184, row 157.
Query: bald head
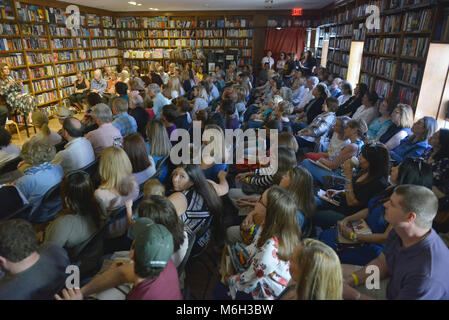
column 73, row 128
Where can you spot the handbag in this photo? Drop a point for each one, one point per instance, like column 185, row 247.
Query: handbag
column 252, row 189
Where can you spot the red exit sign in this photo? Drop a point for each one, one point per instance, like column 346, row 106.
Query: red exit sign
column 297, row 12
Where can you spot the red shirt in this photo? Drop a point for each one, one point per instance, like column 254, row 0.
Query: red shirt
column 150, row 112
column 164, row 287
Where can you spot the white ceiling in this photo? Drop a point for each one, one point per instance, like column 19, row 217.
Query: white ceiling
column 188, row 5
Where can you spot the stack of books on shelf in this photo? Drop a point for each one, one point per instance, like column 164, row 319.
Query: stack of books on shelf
column 59, row 31
column 383, row 88
column 442, row 28
column 33, row 30
column 108, row 22
column 40, row 72
column 182, row 24
column 35, row 43
column 13, row 60
column 407, row 95
column 411, row 73
column 127, row 22
column 56, row 15
column 415, row 47
column 382, row 45
column 9, row 29
column 45, row 84
column 211, row 23
column 10, row 44
column 392, row 23
column 93, row 20
column 46, row 97
column 30, row 13
column 418, row 20
column 155, row 22
column 39, row 58
column 65, row 68
column 19, row 74
column 383, row 66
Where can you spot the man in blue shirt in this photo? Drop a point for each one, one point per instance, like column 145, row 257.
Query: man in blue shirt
column 98, row 84
column 125, row 123
column 154, row 91
column 415, row 258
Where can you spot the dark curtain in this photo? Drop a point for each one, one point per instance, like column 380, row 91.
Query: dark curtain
column 289, row 40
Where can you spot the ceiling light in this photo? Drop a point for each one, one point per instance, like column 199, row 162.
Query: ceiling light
column 139, row 4
column 132, row 2
column 278, row 28
column 156, row 9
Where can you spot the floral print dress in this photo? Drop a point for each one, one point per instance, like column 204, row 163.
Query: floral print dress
column 25, row 103
column 267, row 275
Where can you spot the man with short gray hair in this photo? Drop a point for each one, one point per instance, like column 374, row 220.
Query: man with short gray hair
column 122, row 120
column 415, row 258
column 311, row 83
column 106, row 135
column 98, row 84
column 154, row 91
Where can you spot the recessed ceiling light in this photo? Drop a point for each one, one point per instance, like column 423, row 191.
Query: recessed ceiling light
column 139, row 4
column 132, row 2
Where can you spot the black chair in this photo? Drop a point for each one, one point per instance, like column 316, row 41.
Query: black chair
column 50, row 206
column 91, row 168
column 21, row 213
column 11, row 165
column 60, row 146
column 88, row 255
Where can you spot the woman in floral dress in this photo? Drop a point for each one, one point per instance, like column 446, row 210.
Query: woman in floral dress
column 12, row 93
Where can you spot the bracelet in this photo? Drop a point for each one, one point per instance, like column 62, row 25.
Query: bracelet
column 247, row 179
column 351, row 236
column 356, row 280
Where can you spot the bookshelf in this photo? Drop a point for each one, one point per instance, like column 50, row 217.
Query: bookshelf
column 394, row 56
column 183, row 38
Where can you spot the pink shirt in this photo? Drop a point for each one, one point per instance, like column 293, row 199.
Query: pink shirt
column 103, row 137
column 164, row 287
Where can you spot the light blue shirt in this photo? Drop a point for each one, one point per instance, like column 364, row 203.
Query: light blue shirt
column 77, row 154
column 38, row 180
column 125, row 123
column 377, row 128
column 158, row 102
column 99, row 85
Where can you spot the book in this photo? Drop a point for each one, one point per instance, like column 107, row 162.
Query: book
column 323, row 196
column 359, row 227
column 320, row 164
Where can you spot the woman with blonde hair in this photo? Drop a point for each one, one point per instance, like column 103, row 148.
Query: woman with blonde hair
column 402, row 118
column 175, row 87
column 159, row 144
column 47, row 136
column 201, row 98
column 117, row 182
column 240, row 103
column 267, row 271
column 124, row 76
column 215, row 143
column 316, row 270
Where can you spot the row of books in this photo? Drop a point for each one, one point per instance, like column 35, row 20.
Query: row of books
column 131, row 44
column 339, row 57
column 156, row 43
column 366, row 79
column 30, row 12
column 209, row 43
column 415, row 47
column 95, row 43
column 210, row 33
column 407, row 95
column 93, row 20
column 19, row 74
column 239, row 33
column 83, row 65
column 211, row 23
column 6, row 10
column 65, row 68
column 177, row 53
column 342, row 72
column 155, row 22
column 392, row 23
column 33, row 30
column 42, row 72
column 245, row 61
column 382, row 45
column 127, row 22
column 382, row 66
column 108, row 22
column 59, row 31
column 345, row 30
column 67, row 80
column 71, row 55
column 297, row 22
column 129, row 34
column 181, row 24
column 161, row 33
column 182, row 43
column 109, row 33
column 67, row 92
column 418, row 20
column 80, row 32
column 46, row 97
column 360, row 32
column 104, row 53
column 238, row 23
column 45, row 84
column 411, row 73
column 383, row 88
column 238, row 42
column 182, row 33
column 39, row 58
column 9, row 29
column 10, row 44
column 442, row 28
column 70, row 43
column 95, row 32
column 35, row 43
column 342, row 44
column 246, row 52
column 13, row 60
column 100, row 63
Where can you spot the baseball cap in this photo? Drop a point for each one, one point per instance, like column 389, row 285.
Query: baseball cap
column 153, row 245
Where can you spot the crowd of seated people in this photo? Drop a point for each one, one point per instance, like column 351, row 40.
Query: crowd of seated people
column 346, row 179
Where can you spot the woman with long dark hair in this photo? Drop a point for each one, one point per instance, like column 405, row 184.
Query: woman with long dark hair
column 368, row 182
column 197, row 199
column 81, row 214
column 368, row 246
column 438, row 158
column 353, row 103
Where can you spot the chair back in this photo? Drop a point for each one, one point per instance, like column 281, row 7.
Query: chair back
column 50, row 206
column 21, row 213
column 10, row 165
column 91, row 168
column 191, row 239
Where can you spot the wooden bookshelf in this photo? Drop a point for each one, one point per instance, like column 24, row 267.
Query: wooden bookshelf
column 394, row 56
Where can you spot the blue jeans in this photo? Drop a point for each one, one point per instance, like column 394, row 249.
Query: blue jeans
column 327, row 218
column 317, row 172
column 252, row 109
column 297, row 126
